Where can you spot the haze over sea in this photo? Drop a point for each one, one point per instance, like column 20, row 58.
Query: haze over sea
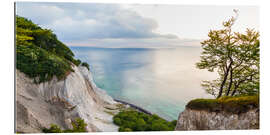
column 161, row 81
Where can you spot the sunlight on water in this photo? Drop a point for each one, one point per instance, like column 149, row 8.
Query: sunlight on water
column 159, row 80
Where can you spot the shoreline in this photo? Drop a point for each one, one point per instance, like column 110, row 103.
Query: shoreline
column 134, row 106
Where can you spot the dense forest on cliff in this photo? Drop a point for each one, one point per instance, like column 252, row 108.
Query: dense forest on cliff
column 40, row 55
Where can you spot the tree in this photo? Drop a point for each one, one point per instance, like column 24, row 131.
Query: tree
column 246, row 72
column 234, row 56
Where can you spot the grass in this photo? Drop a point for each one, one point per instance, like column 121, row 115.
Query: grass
column 236, row 105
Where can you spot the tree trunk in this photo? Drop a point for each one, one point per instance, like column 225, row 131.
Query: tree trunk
column 236, row 85
column 234, row 91
column 224, row 81
column 231, row 81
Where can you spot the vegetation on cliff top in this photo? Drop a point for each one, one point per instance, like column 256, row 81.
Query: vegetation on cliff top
column 236, row 104
column 40, row 55
column 78, row 126
column 131, row 120
column 86, row 65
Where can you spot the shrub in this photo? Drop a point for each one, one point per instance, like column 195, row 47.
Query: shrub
column 76, row 62
column 53, row 129
column 127, row 130
column 37, row 63
column 86, row 65
column 78, row 126
column 131, row 120
column 117, row 121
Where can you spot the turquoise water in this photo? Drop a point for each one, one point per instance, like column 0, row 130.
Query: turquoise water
column 159, row 80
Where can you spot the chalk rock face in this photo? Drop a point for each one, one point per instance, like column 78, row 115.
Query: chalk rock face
column 101, row 93
column 62, row 101
column 204, row 120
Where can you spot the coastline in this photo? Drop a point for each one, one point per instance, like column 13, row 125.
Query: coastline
column 134, row 106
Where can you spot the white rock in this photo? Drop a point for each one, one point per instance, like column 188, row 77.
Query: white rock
column 204, row 120
column 55, row 101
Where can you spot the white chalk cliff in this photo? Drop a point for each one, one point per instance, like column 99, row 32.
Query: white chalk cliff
column 205, row 120
column 61, row 101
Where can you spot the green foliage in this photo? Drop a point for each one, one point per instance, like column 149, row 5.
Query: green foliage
column 130, row 120
column 86, row 65
column 39, row 64
column 40, row 54
column 25, row 23
column 23, row 36
column 235, row 104
column 235, row 57
column 77, row 62
column 117, row 121
column 53, row 129
column 43, row 38
column 78, row 126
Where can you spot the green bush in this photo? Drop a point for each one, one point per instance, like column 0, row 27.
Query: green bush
column 131, row 120
column 236, row 104
column 37, row 63
column 86, row 65
column 78, row 126
column 123, row 129
column 117, row 121
column 53, row 129
column 77, row 62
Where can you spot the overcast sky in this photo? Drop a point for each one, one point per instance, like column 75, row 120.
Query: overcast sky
column 122, row 25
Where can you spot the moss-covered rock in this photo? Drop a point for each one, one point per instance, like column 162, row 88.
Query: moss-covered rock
column 238, row 104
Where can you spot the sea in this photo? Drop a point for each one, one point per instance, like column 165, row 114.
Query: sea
column 160, row 80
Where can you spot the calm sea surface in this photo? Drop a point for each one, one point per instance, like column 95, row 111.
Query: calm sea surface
column 160, row 80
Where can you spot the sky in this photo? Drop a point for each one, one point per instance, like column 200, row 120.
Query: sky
column 134, row 25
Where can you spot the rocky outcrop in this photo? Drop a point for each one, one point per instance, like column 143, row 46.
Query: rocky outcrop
column 62, row 101
column 206, row 120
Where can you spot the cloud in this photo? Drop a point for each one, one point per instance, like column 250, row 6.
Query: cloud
column 138, row 43
column 88, row 23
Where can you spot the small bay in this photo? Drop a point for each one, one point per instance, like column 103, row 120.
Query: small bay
column 160, row 80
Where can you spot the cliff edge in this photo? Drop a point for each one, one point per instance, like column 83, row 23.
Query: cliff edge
column 229, row 113
column 61, row 102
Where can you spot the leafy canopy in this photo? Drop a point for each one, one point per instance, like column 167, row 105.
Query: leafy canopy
column 235, row 57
